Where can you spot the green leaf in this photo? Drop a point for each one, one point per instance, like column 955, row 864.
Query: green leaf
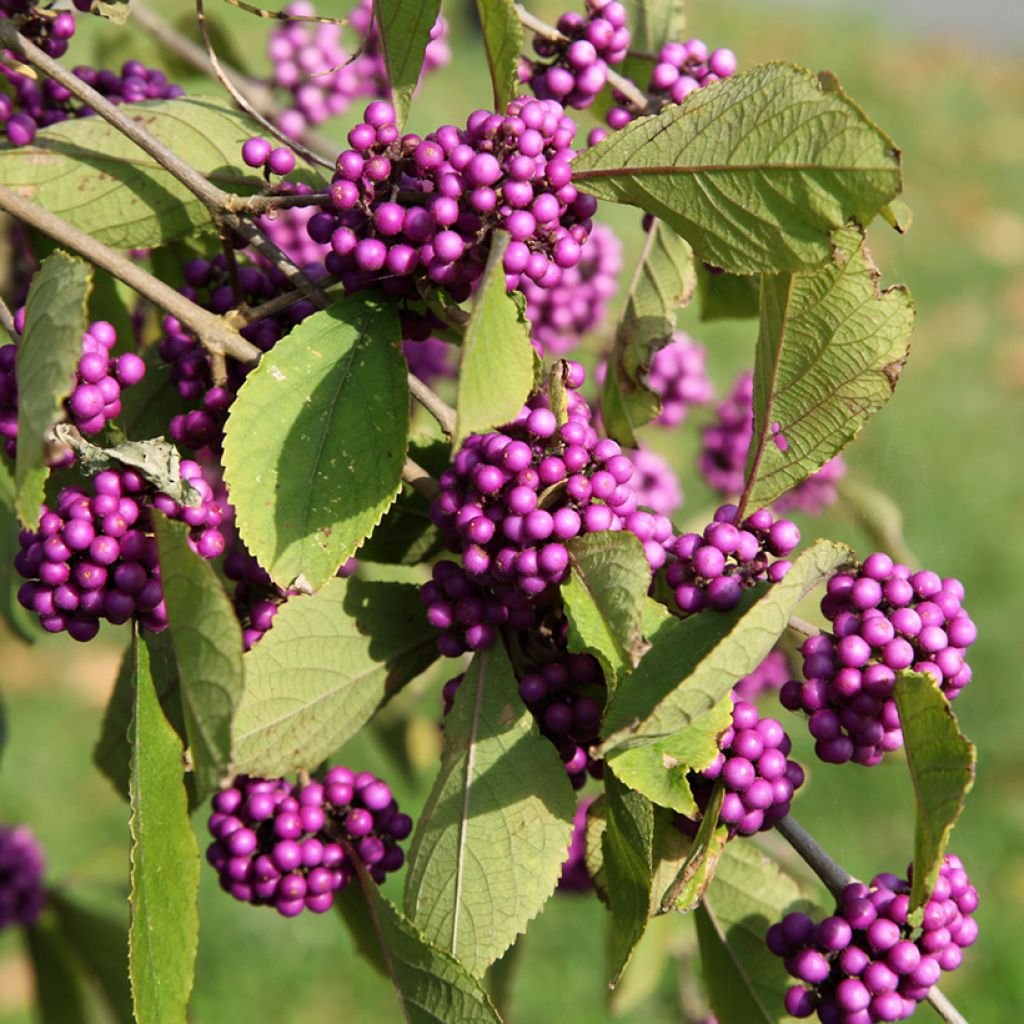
column 101, row 944
column 878, row 515
column 18, row 619
column 664, row 281
column 58, row 985
column 829, row 353
column 48, row 353
column 503, row 40
column 746, row 983
column 898, row 215
column 627, row 845
column 404, row 27
column 331, row 404
column 941, row 761
column 164, row 932
column 756, row 172
column 89, row 173
column 116, row 11
column 330, row 661
column 490, row 842
column 605, row 597
column 207, row 643
column 690, row 883
column 432, row 987
column 496, row 372
column 660, row 770
column 694, row 662
column 727, row 296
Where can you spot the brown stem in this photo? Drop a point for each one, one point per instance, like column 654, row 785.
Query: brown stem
column 214, row 333
column 248, row 314
column 7, row 320
column 420, row 480
column 434, row 404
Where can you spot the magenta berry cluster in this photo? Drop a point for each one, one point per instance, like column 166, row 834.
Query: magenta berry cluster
column 430, row 359
column 866, row 963
column 755, row 769
column 288, row 229
column 49, row 30
column 21, row 876
column 509, row 504
column 294, row 846
column 578, row 303
column 713, row 568
column 99, row 378
column 36, row 103
column 679, row 377
column 208, row 283
column 655, row 482
column 508, row 171
column 575, row 877
column 769, row 677
column 94, row 556
column 885, row 617
column 725, row 444
column 573, row 69
column 262, row 154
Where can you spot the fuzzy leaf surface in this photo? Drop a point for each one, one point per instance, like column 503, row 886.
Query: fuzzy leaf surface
column 755, row 172
column 489, row 845
column 404, row 27
column 330, row 661
column 941, row 762
column 164, row 932
column 48, row 353
column 694, row 662
column 330, row 405
column 207, row 643
column 496, row 373
column 830, row 351
column 664, row 281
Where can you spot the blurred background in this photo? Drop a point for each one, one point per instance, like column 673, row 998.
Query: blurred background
column 946, row 80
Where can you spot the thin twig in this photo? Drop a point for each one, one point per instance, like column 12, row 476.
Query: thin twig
column 434, row 404
column 213, row 332
column 248, row 314
column 802, row 626
column 7, row 320
column 836, row 879
column 626, row 86
column 420, row 480
column 262, row 12
column 243, row 101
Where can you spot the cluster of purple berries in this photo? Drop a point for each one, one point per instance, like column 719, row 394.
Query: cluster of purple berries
column 575, row 876
column 574, row 68
column 323, row 79
column 430, row 359
column 511, row 501
column 759, row 777
column 294, row 846
column 21, row 876
column 578, row 303
column 713, row 568
column 508, row 171
column 208, row 283
column 865, row 963
column 99, row 378
column 725, row 444
column 35, row 103
column 769, row 677
column 288, row 229
column 885, row 618
column 655, row 482
column 95, row 557
column 679, row 377
column 49, row 30
column 262, row 154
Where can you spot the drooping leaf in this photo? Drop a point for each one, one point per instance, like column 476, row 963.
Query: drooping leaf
column 694, row 662
column 432, row 987
column 503, row 40
column 164, row 931
column 404, row 27
column 57, row 982
column 629, row 865
column 207, row 643
column 18, row 619
column 941, row 762
column 496, row 373
column 87, row 172
column 755, row 172
column 329, row 662
column 727, row 296
column 605, row 597
column 100, row 942
column 490, row 842
column 49, row 350
column 746, row 983
column 664, row 281
column 829, row 353
column 660, row 770
column 116, row 11
column 690, row 883
column 330, row 402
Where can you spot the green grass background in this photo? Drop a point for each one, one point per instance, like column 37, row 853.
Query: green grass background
column 947, row 451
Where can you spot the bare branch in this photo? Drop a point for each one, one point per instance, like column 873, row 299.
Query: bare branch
column 420, row 480
column 261, row 12
column 434, row 404
column 7, row 320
